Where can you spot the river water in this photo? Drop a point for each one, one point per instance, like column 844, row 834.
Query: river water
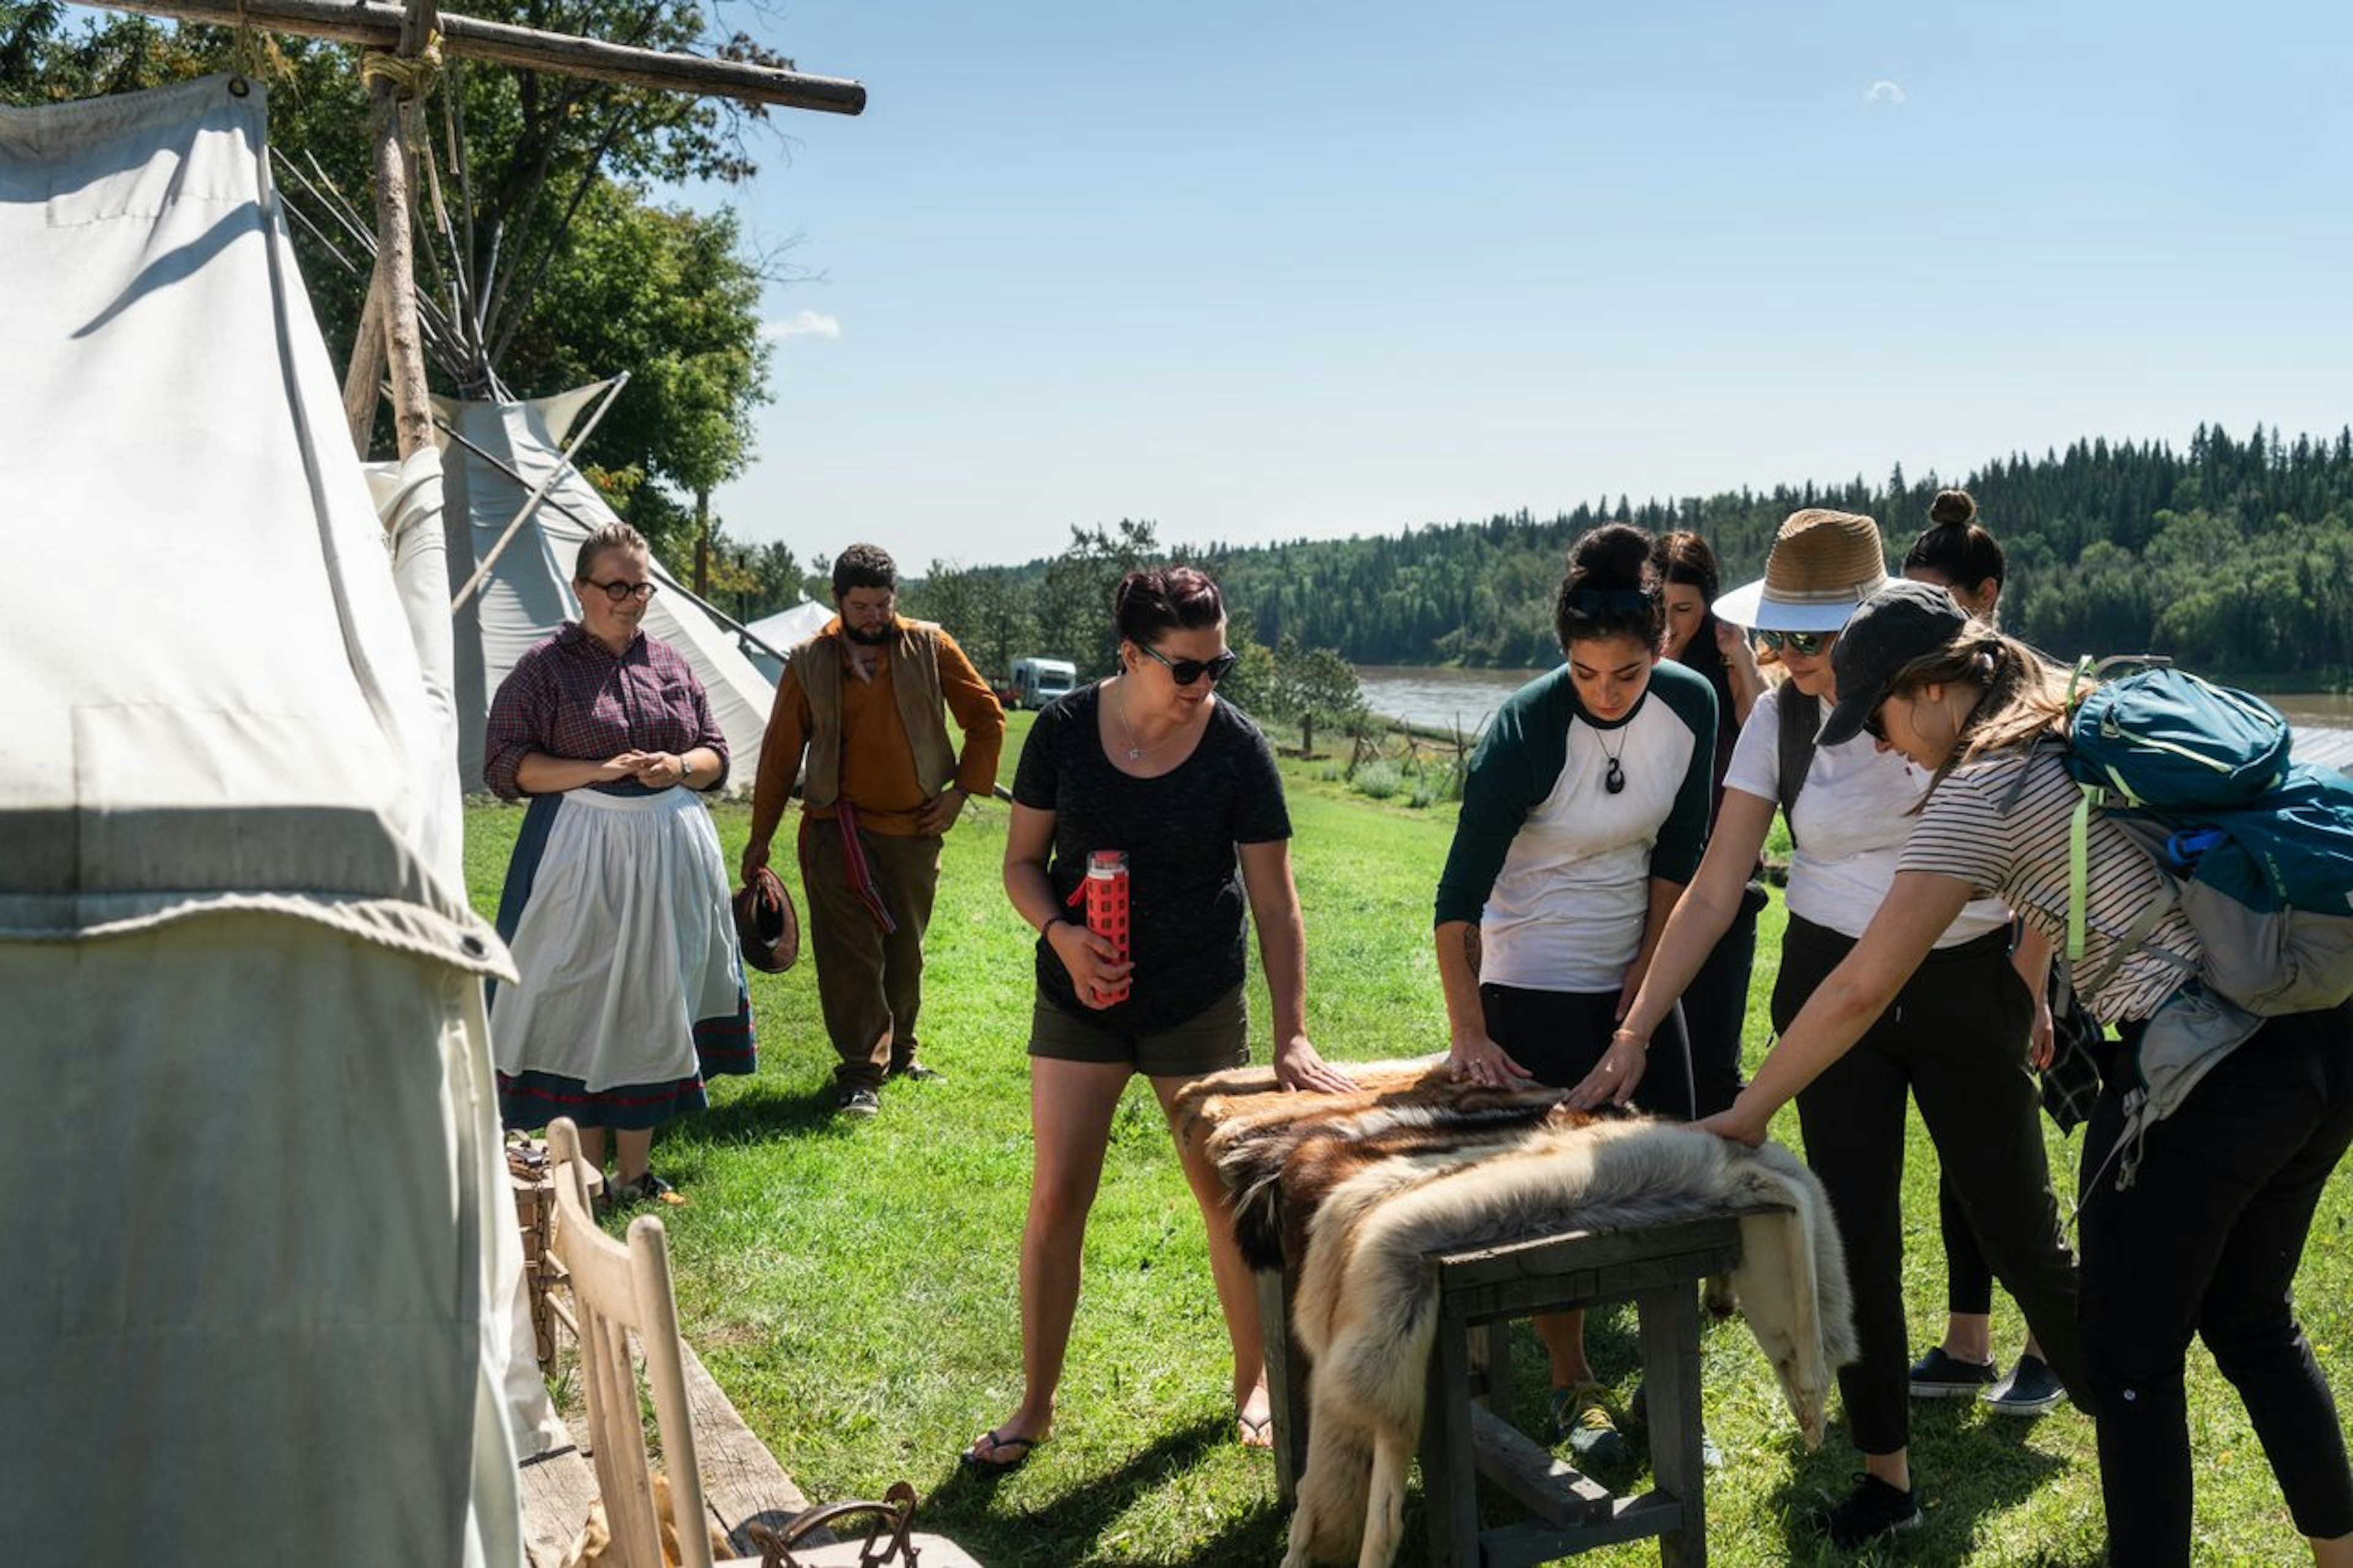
column 1468, row 698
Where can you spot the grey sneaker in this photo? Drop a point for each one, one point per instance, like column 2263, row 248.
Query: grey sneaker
column 1940, row 1376
column 2031, row 1389
column 1582, row 1414
column 858, row 1103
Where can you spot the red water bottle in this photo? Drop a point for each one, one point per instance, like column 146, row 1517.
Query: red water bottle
column 1106, row 887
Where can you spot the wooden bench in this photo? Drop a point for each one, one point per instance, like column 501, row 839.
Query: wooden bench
column 1479, row 1291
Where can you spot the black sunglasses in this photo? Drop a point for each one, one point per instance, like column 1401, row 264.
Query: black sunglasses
column 1806, row 645
column 1185, row 671
column 1874, row 724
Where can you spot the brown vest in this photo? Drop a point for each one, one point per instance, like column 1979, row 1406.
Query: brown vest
column 914, row 657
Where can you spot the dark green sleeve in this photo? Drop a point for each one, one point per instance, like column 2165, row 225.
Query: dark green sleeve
column 1513, row 767
column 1683, row 837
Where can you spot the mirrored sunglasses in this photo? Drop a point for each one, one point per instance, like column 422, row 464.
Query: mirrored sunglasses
column 1806, row 645
column 1185, row 671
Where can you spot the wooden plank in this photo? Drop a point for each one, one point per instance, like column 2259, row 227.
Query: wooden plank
column 1449, row 1478
column 1558, row 1494
column 742, row 1482
column 557, row 1488
column 1286, row 1383
column 1670, row 1374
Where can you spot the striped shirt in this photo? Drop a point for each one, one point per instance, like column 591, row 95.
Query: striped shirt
column 569, row 696
column 2020, row 857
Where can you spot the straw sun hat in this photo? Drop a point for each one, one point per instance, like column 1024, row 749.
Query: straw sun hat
column 1824, row 564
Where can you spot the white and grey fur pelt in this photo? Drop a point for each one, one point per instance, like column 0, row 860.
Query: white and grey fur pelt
column 1351, row 1191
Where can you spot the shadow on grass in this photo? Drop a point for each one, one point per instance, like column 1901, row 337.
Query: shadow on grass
column 763, row 1110
column 1965, row 1474
column 1069, row 1527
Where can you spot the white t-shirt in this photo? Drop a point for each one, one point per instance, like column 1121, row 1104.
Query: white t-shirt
column 1567, row 908
column 2021, row 855
column 1852, row 819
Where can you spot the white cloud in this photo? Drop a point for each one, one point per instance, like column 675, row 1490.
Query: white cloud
column 803, row 324
column 1882, row 92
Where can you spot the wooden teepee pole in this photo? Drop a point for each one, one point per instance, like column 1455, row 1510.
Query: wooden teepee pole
column 394, row 123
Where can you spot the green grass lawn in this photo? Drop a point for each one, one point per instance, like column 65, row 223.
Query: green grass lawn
column 853, row 1286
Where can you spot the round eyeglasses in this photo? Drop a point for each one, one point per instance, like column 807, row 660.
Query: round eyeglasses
column 621, row 592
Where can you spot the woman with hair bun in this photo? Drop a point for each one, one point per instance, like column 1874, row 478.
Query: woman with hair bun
column 1959, row 554
column 1151, row 764
column 1954, row 1040
column 1716, row 1005
column 2194, row 1219
column 1584, row 812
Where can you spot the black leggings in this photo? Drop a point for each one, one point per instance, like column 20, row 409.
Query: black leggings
column 1559, row 1036
column 2206, row 1241
column 1715, row 1007
column 1954, row 1039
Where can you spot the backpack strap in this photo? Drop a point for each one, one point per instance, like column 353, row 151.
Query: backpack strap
column 2079, row 878
column 1801, row 721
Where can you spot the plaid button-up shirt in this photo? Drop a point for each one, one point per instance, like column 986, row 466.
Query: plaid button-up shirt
column 570, row 697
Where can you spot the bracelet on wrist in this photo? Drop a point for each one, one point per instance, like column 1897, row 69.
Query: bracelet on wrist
column 1641, row 1040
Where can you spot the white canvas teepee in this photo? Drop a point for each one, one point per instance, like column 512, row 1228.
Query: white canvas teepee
column 507, row 450
column 256, row 1210
column 784, row 630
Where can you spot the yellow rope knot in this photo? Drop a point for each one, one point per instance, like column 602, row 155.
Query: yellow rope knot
column 409, row 77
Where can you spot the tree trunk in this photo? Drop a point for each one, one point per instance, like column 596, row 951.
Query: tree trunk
column 701, row 541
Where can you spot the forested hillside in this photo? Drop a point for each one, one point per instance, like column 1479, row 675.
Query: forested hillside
column 2235, row 555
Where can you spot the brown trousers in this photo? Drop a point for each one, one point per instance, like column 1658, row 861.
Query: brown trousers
column 870, row 982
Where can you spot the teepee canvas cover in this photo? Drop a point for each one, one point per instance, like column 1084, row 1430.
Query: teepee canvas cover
column 529, row 592
column 254, row 1187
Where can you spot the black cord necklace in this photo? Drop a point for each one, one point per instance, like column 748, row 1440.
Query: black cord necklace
column 1614, row 779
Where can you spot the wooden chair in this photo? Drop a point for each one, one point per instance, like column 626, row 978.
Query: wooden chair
column 619, row 1290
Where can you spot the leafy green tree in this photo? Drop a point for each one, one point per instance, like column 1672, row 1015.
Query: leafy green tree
column 575, row 274
column 1074, row 608
column 1314, row 687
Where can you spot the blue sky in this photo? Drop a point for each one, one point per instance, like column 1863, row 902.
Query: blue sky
column 1271, row 270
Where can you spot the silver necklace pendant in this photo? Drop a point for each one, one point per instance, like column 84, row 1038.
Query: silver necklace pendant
column 1614, row 780
column 1134, row 752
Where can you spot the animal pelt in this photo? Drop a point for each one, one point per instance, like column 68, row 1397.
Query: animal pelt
column 1349, row 1191
column 594, row 1545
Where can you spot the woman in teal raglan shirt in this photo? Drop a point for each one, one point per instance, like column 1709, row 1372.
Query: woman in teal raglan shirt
column 1584, row 812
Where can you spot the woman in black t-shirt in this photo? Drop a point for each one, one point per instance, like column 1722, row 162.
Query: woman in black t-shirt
column 1150, row 764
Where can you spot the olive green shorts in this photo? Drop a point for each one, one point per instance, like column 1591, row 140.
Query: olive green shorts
column 1215, row 1038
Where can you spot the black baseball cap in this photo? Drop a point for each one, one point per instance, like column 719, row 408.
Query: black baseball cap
column 1892, row 628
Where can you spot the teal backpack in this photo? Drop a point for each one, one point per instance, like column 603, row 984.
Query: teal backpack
column 2257, row 849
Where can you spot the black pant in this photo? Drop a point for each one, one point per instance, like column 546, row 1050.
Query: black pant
column 1956, row 1038
column 1559, row 1036
column 1715, row 1007
column 2207, row 1240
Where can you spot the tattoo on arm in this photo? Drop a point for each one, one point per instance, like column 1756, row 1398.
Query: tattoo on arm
column 1470, row 947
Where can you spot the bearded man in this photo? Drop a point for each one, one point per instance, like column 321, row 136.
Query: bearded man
column 864, row 698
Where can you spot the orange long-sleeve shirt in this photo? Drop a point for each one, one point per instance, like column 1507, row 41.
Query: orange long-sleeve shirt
column 878, row 765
